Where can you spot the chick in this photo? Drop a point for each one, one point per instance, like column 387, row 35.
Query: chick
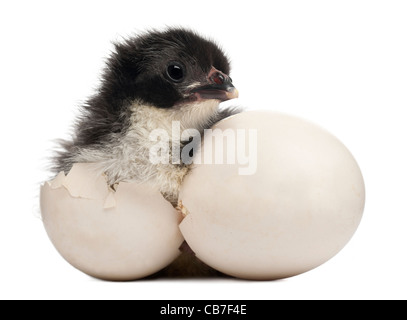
column 150, row 81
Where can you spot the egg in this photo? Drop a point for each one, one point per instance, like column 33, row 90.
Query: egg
column 289, row 200
column 122, row 234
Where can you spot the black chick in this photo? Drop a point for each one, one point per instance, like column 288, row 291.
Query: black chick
column 150, row 81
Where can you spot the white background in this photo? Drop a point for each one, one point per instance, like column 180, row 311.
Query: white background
column 341, row 64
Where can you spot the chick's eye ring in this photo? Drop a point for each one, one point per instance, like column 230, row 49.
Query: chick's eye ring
column 175, row 71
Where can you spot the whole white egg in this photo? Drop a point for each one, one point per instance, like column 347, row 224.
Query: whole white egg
column 291, row 200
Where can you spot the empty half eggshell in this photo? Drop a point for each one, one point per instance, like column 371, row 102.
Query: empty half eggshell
column 125, row 234
column 299, row 207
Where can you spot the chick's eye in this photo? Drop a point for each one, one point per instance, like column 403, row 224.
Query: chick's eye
column 175, row 72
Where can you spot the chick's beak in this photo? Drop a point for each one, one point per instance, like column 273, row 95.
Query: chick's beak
column 219, row 87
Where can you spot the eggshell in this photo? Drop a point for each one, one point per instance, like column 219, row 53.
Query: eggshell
column 125, row 234
column 299, row 209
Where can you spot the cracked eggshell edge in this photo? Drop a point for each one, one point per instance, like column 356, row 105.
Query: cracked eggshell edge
column 119, row 235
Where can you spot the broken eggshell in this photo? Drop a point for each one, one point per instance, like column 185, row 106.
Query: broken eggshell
column 299, row 207
column 125, row 234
